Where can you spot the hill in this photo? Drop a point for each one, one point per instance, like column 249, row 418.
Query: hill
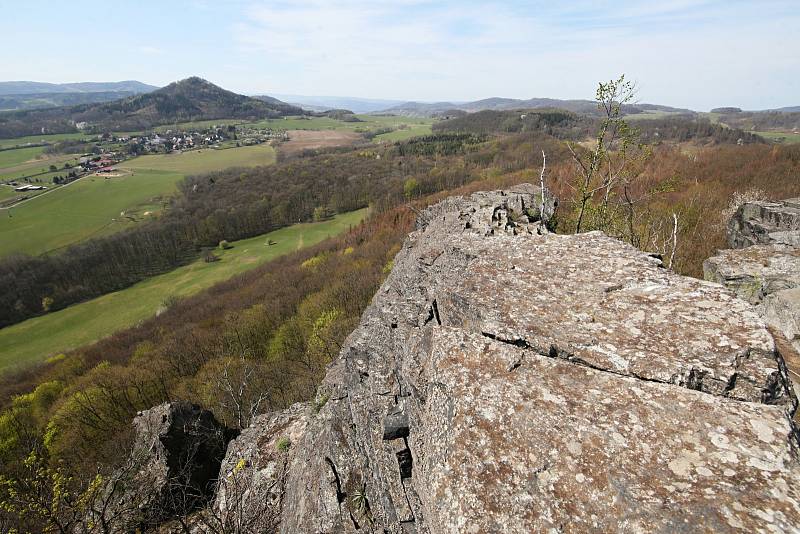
column 30, row 88
column 192, row 99
column 583, row 107
column 51, row 100
column 325, row 103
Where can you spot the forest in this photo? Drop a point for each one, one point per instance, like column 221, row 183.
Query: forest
column 227, row 205
column 571, row 126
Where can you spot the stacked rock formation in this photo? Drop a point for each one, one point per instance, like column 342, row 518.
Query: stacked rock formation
column 505, row 379
column 763, row 267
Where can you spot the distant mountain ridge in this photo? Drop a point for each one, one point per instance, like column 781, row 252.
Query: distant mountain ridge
column 51, row 100
column 585, row 107
column 28, row 88
column 192, row 99
column 327, row 103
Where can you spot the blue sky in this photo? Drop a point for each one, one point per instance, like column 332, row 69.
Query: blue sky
column 688, row 53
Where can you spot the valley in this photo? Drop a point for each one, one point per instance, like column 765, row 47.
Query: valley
column 84, row 323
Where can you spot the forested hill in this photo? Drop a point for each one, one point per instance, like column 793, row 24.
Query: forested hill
column 30, row 88
column 192, row 99
column 583, row 107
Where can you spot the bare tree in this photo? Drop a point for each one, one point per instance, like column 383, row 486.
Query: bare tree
column 603, row 186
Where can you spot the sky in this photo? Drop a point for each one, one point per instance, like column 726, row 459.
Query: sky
column 685, row 53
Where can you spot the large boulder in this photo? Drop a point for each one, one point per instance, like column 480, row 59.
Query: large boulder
column 172, row 468
column 763, row 222
column 763, row 268
column 505, row 379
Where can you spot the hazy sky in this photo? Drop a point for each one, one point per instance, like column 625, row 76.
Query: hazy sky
column 687, row 53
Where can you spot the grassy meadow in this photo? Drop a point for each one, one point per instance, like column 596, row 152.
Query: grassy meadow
column 780, row 137
column 40, row 167
column 34, row 139
column 19, row 155
column 36, row 339
column 411, row 126
column 206, row 160
column 88, row 207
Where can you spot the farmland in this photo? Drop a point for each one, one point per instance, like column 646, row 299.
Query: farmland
column 404, row 127
column 89, row 321
column 201, row 161
column 780, row 137
column 95, row 205
column 85, row 208
column 19, row 155
column 39, row 139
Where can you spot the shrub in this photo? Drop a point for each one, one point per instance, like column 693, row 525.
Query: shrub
column 284, row 444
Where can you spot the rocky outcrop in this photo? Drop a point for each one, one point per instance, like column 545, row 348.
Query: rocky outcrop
column 764, row 267
column 172, row 468
column 506, row 379
column 761, row 223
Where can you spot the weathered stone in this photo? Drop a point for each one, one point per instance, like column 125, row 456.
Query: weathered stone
column 172, row 468
column 764, row 222
column 395, row 425
column 754, row 272
column 582, row 450
column 765, row 275
column 613, row 308
column 532, row 382
column 251, row 486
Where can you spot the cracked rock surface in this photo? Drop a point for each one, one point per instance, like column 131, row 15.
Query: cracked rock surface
column 505, row 379
column 763, row 268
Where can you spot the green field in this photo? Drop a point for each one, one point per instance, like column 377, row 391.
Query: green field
column 94, row 206
column 7, row 192
column 401, row 135
column 36, row 339
column 206, row 160
column 88, row 207
column 37, row 167
column 780, row 137
column 51, row 138
column 18, row 155
column 413, row 125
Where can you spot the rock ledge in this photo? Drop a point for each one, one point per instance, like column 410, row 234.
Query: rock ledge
column 505, row 379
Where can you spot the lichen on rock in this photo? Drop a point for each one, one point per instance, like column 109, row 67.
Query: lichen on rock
column 506, row 379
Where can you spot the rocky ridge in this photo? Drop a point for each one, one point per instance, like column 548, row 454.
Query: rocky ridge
column 505, row 379
column 763, row 268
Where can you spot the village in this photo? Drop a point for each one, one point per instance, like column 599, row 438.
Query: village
column 110, row 150
column 217, row 137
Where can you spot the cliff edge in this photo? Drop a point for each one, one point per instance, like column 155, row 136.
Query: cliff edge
column 506, row 379
column 763, row 268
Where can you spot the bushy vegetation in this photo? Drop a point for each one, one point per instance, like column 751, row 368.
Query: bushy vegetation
column 690, row 128
column 556, row 122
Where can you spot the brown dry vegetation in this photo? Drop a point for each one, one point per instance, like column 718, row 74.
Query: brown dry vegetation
column 300, row 140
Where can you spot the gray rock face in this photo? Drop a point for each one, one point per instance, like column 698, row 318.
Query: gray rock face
column 173, row 467
column 764, row 267
column 505, row 379
column 760, row 223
